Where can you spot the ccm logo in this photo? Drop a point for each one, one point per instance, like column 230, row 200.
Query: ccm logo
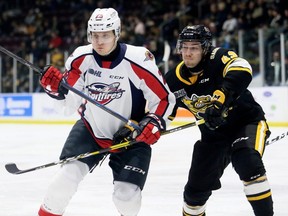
column 135, row 169
column 204, row 80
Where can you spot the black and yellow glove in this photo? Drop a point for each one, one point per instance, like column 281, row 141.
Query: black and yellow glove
column 124, row 134
column 216, row 113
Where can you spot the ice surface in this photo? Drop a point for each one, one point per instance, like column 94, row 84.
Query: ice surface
column 33, row 145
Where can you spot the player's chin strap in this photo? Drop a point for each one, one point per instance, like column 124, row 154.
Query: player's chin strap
column 70, row 88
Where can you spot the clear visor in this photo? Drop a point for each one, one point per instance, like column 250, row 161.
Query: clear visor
column 102, row 37
column 191, row 48
column 185, row 46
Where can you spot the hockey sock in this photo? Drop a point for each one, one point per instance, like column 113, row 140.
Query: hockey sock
column 259, row 196
column 127, row 198
column 263, row 207
column 43, row 212
column 63, row 188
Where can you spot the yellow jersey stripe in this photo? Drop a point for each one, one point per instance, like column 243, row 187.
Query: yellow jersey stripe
column 179, row 76
column 240, row 69
column 260, row 137
column 192, row 79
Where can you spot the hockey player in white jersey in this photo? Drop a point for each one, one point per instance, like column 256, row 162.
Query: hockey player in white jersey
column 126, row 79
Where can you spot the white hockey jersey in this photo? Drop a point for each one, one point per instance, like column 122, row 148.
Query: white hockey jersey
column 123, row 85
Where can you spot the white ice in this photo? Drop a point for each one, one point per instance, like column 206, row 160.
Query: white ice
column 33, row 145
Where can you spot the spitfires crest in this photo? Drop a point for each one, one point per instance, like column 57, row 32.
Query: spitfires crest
column 104, row 93
column 148, row 56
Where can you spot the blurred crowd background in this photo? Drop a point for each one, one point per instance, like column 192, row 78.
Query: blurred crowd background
column 49, row 30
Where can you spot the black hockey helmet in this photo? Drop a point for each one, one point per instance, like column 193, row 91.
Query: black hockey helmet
column 198, row 33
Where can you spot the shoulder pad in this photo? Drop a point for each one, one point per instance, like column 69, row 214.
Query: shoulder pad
column 139, row 54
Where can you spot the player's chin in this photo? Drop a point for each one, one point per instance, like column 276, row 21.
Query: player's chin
column 190, row 64
column 99, row 50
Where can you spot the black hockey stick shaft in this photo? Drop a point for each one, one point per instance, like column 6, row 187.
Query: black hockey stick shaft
column 201, row 121
column 277, row 138
column 12, row 167
column 70, row 88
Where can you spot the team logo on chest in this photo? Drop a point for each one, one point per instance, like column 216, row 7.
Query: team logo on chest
column 197, row 104
column 104, row 93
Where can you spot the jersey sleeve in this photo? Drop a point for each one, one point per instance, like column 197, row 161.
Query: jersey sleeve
column 237, row 72
column 75, row 79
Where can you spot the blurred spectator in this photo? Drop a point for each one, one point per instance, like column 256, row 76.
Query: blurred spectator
column 276, row 19
column 230, row 24
column 57, row 58
column 229, row 27
column 57, row 25
column 55, row 41
column 275, row 64
column 139, row 31
column 7, row 80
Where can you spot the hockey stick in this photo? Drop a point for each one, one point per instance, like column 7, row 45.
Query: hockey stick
column 67, row 86
column 195, row 123
column 201, row 121
column 275, row 139
column 13, row 169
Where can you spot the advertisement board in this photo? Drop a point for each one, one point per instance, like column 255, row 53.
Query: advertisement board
column 31, row 108
column 274, row 101
column 16, row 105
column 40, row 108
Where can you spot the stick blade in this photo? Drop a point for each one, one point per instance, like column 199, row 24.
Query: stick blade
column 12, row 168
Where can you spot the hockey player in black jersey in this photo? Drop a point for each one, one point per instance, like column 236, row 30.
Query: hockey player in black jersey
column 212, row 83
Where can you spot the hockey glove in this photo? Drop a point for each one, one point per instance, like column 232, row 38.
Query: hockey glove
column 216, row 113
column 151, row 125
column 124, row 134
column 50, row 80
column 150, row 128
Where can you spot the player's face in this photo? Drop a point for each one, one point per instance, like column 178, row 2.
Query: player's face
column 192, row 53
column 103, row 42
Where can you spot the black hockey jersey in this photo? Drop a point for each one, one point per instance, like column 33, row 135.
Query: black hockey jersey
column 222, row 69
